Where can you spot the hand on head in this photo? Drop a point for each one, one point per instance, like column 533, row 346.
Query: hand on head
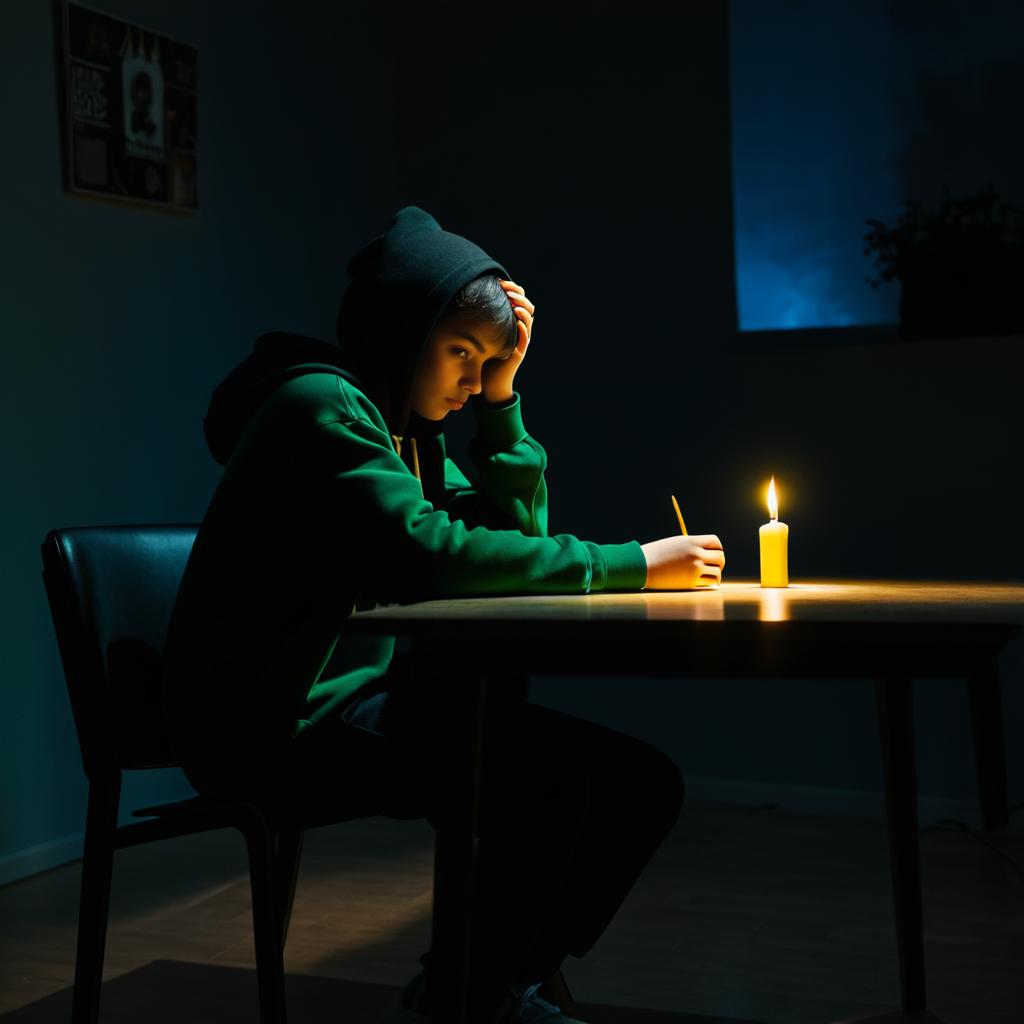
column 499, row 374
column 523, row 308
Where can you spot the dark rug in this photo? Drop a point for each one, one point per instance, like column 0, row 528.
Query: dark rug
column 170, row 992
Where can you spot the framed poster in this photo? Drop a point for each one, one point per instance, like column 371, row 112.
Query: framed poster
column 130, row 112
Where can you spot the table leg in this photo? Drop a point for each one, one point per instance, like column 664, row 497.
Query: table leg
column 896, row 729
column 986, row 703
column 455, row 849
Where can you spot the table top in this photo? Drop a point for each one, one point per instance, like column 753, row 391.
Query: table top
column 815, row 629
column 846, row 601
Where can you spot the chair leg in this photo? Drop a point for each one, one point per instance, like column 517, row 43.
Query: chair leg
column 269, row 954
column 286, row 874
column 94, row 901
column 986, row 704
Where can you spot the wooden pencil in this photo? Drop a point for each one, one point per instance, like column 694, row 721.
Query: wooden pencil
column 679, row 516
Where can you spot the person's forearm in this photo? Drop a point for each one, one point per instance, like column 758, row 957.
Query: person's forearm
column 499, row 399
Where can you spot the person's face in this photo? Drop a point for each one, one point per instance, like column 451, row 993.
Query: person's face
column 451, row 367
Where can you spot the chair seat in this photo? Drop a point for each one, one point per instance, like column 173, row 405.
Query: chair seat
column 203, row 813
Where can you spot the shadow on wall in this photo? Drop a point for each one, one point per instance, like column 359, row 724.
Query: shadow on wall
column 970, row 131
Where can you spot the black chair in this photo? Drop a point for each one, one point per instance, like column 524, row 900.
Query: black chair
column 111, row 590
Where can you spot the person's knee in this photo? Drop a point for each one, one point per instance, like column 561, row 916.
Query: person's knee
column 647, row 783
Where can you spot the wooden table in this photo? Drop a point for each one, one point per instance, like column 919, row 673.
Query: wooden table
column 888, row 632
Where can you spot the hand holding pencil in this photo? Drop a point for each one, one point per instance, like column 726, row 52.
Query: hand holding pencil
column 684, row 562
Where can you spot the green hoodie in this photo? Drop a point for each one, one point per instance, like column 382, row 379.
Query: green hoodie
column 336, row 495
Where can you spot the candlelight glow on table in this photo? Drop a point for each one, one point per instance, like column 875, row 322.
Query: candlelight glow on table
column 851, row 601
column 774, row 538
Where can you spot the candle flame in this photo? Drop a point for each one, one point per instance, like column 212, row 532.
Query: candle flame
column 773, row 501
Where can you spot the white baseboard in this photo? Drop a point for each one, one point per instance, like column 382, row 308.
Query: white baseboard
column 42, row 857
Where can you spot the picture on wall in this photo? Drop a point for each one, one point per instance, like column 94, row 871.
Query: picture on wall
column 130, row 113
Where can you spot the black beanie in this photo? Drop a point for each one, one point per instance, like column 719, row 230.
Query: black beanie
column 400, row 284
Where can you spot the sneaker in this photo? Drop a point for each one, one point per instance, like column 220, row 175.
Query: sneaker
column 522, row 1005
column 528, row 1006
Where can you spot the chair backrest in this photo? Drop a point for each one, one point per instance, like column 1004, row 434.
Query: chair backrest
column 111, row 591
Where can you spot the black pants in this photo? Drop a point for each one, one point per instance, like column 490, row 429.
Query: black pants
column 572, row 813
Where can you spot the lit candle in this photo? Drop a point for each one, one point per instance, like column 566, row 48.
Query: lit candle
column 774, row 542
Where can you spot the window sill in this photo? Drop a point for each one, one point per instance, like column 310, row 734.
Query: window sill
column 765, row 342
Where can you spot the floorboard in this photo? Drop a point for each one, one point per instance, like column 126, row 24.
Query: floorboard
column 744, row 914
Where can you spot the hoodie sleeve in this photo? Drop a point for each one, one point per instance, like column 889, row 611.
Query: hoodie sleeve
column 406, row 550
column 511, row 493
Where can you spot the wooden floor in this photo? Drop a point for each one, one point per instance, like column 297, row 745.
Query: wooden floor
column 749, row 913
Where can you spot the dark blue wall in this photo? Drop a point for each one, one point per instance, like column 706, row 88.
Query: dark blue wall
column 119, row 320
column 589, row 150
column 897, row 461
column 586, row 150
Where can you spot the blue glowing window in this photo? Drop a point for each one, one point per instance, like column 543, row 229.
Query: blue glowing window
column 840, row 111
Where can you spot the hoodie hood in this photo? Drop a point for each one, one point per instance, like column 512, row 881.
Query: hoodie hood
column 275, row 358
column 400, row 284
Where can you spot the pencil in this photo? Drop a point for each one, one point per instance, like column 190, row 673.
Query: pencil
column 679, row 516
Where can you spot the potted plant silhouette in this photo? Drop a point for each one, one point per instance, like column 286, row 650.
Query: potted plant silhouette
column 960, row 268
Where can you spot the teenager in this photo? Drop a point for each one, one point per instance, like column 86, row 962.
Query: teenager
column 337, row 493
